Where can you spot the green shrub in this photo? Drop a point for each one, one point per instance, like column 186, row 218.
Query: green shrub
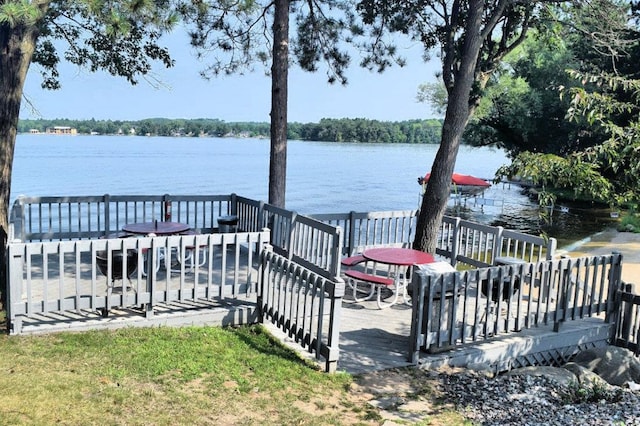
column 592, row 392
column 630, row 222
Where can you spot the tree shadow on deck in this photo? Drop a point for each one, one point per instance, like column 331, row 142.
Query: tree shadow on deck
column 372, row 349
column 371, row 338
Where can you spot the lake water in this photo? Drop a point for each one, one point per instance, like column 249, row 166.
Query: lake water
column 322, row 177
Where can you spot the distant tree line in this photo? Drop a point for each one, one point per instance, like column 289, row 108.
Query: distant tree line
column 329, row 130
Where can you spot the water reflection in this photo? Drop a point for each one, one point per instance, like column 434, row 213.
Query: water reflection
column 513, row 209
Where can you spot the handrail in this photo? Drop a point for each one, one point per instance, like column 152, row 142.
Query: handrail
column 373, row 229
column 307, row 241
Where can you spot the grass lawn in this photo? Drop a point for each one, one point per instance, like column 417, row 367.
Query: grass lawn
column 162, row 376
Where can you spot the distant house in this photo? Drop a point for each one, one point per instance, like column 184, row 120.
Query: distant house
column 62, row 130
column 34, row 131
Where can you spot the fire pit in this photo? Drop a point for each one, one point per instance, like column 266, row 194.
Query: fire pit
column 116, row 263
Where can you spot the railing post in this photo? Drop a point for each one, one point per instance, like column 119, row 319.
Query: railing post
column 234, row 204
column 552, row 245
column 107, row 213
column 291, row 235
column 17, row 218
column 615, row 284
column 263, row 220
column 455, row 243
column 416, row 340
column 333, row 336
column 15, row 267
column 263, row 275
column 151, row 276
column 496, row 250
column 623, row 316
column 352, row 233
column 336, row 253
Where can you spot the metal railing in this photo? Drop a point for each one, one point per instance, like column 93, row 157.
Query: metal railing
column 458, row 308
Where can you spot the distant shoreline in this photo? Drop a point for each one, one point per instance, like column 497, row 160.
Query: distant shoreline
column 327, row 130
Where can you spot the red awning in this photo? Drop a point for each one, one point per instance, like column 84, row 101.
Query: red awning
column 466, row 180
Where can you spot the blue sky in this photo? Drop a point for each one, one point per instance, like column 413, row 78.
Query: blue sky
column 390, row 96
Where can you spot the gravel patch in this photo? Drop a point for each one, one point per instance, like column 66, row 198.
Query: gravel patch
column 523, row 400
column 536, row 400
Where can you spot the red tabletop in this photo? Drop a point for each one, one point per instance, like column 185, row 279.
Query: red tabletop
column 155, row 227
column 398, row 256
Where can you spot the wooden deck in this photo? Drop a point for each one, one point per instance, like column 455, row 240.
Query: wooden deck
column 370, row 338
column 378, row 339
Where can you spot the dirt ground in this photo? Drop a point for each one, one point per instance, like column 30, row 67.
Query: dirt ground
column 608, row 241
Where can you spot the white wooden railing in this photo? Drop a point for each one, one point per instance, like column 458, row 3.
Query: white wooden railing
column 57, row 243
column 458, row 240
column 372, row 229
column 87, row 217
column 307, row 241
column 54, row 277
column 310, row 242
column 627, row 320
column 458, row 308
column 300, row 289
column 303, row 304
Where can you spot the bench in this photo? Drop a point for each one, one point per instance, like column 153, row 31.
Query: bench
column 353, row 260
column 376, row 281
column 508, row 260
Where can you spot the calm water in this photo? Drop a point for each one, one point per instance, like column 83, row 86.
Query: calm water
column 321, row 177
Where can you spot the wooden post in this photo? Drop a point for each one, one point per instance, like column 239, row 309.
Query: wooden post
column 352, row 233
column 333, row 336
column 417, row 312
column 454, row 242
column 151, row 276
column 14, row 287
column 106, row 204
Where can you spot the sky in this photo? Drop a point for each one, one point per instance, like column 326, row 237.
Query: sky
column 390, row 96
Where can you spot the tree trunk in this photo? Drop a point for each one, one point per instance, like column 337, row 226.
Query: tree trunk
column 279, row 82
column 17, row 44
column 459, row 109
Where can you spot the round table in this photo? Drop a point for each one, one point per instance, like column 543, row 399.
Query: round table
column 155, row 227
column 398, row 256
